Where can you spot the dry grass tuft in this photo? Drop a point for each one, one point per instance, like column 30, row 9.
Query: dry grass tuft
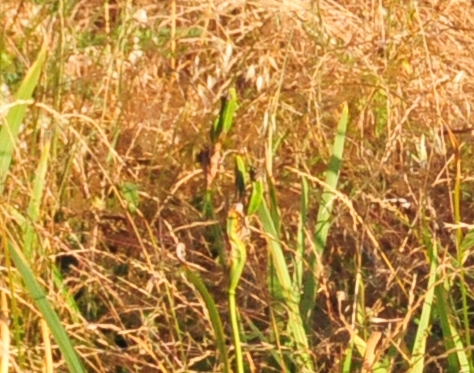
column 120, row 113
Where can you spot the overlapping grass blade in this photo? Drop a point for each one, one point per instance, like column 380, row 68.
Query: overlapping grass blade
column 222, row 125
column 29, row 233
column 8, row 139
column 214, row 231
column 39, row 297
column 323, row 219
column 274, row 353
column 361, row 346
column 256, row 197
column 276, row 290
column 346, row 366
column 295, row 324
column 224, row 121
column 457, row 358
column 216, row 322
column 301, row 235
column 30, row 237
column 419, row 346
column 238, row 258
column 464, row 359
column 11, row 128
column 241, row 176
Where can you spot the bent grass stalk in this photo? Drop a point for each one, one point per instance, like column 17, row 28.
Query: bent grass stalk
column 47, row 311
column 461, row 254
column 216, row 322
column 457, row 358
column 295, row 322
column 238, row 258
column 461, row 361
column 8, row 141
column 419, row 347
column 11, row 128
column 323, row 219
column 221, row 126
column 281, row 282
column 300, row 238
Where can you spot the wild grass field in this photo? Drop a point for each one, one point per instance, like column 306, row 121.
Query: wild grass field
column 236, row 186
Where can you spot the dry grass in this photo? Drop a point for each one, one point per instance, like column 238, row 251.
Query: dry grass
column 124, row 108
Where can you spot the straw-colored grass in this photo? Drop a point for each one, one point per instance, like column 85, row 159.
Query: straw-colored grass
column 116, row 160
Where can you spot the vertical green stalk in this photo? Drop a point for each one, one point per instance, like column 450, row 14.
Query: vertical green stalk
column 460, row 254
column 214, row 230
column 323, row 219
column 220, row 128
column 216, row 322
column 456, row 358
column 300, row 243
column 43, row 305
column 58, row 72
column 464, row 360
column 419, row 347
column 288, row 297
column 238, row 258
column 8, row 140
column 10, row 130
column 29, row 233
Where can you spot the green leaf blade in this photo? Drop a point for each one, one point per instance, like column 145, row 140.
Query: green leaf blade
column 11, row 128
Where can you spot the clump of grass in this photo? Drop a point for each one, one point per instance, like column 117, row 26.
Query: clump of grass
column 355, row 261
column 21, row 259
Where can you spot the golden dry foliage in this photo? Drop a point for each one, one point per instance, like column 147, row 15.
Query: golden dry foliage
column 120, row 113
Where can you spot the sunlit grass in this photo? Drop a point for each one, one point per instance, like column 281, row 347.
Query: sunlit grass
column 29, row 244
column 341, row 129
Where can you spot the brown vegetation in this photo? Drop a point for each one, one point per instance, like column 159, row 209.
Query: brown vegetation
column 129, row 97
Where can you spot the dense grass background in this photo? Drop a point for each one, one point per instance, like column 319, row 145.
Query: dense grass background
column 131, row 128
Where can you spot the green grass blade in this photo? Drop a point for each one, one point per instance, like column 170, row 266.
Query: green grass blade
column 214, row 231
column 444, row 317
column 457, row 361
column 256, row 197
column 241, row 177
column 57, row 276
column 238, row 258
column 295, row 324
column 346, row 365
column 216, row 322
column 301, row 235
column 323, row 219
column 30, row 237
column 8, row 138
column 52, row 319
column 224, row 121
column 463, row 286
column 466, row 245
column 29, row 233
column 273, row 352
column 230, row 110
column 279, row 142
column 11, row 128
column 419, row 347
column 275, row 214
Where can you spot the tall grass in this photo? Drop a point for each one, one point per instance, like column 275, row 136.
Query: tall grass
column 340, row 130
column 323, row 220
column 8, row 142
